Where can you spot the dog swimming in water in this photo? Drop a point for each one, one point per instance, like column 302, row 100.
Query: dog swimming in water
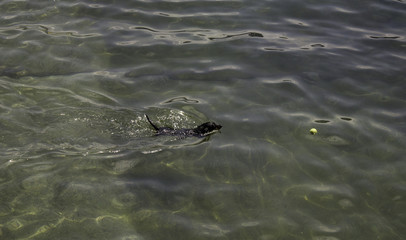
column 200, row 131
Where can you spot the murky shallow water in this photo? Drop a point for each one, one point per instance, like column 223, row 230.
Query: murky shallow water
column 80, row 161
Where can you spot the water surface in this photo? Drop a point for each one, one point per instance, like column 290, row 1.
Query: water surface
column 80, row 161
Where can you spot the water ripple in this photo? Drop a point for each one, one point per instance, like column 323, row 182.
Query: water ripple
column 79, row 158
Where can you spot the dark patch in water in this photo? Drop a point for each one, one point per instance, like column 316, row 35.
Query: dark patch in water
column 384, row 37
column 322, row 121
column 181, row 99
column 346, row 119
column 250, row 34
column 255, row 34
column 317, row 45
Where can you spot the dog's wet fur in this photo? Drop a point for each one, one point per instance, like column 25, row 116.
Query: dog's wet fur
column 203, row 130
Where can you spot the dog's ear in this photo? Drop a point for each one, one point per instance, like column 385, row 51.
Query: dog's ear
column 217, row 126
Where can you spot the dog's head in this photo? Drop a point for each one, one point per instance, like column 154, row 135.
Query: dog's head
column 207, row 128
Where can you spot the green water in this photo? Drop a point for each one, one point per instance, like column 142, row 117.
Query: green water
column 79, row 160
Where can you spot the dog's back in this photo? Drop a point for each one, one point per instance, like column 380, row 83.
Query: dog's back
column 202, row 130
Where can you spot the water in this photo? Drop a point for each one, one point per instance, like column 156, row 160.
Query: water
column 79, row 160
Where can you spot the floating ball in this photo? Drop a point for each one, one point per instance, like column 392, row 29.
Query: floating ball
column 313, row 131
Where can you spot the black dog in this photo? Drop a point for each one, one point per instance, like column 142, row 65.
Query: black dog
column 201, row 131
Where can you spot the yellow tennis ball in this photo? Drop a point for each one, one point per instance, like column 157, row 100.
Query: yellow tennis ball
column 313, row 131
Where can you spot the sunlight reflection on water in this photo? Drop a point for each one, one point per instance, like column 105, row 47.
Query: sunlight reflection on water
column 79, row 159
